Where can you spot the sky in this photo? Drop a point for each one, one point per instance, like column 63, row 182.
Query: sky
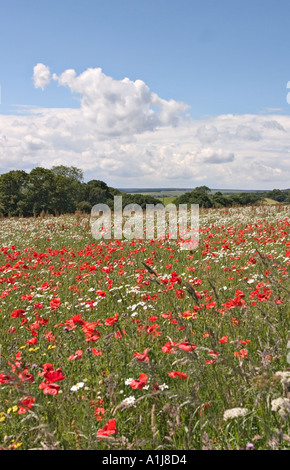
column 148, row 93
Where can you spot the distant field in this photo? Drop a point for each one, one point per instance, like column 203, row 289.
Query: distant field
column 269, row 201
column 167, row 200
column 175, row 192
column 159, row 193
column 168, row 196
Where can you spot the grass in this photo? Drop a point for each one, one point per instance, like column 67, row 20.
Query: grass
column 269, row 201
column 167, row 200
column 210, row 326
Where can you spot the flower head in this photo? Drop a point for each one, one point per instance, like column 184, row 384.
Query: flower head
column 235, row 413
column 108, row 429
column 77, row 386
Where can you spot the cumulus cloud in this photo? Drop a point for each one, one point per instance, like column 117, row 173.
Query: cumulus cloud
column 41, row 76
column 273, row 125
column 120, row 106
column 207, row 134
column 247, row 133
column 127, row 135
column 218, row 156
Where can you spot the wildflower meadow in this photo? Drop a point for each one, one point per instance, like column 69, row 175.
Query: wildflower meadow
column 137, row 344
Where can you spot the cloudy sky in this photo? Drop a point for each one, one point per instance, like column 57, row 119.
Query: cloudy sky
column 148, row 93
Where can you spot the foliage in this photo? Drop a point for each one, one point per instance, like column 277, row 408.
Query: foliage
column 60, row 190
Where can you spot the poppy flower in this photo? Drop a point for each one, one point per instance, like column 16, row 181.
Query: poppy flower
column 111, row 320
column 169, row 347
column 176, row 373
column 55, row 303
column 108, row 429
column 224, row 339
column 139, row 383
column 25, row 404
column 142, row 357
column 54, row 375
column 18, row 313
column 96, row 352
column 179, row 293
column 101, row 293
column 4, row 379
column 49, row 388
column 187, row 346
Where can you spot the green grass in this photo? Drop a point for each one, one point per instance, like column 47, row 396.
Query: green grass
column 167, row 200
column 269, row 201
column 225, row 306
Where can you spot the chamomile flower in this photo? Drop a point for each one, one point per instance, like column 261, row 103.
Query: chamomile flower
column 77, row 386
column 163, row 387
column 128, row 381
column 128, row 401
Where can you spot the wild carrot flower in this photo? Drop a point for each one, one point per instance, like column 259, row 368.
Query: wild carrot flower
column 282, row 406
column 235, row 413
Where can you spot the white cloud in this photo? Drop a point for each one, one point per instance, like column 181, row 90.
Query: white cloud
column 127, row 135
column 116, row 107
column 247, row 133
column 41, row 76
column 218, row 156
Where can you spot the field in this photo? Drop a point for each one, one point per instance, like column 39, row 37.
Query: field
column 119, row 344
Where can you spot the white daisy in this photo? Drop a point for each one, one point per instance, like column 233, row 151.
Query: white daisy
column 128, row 401
column 77, row 386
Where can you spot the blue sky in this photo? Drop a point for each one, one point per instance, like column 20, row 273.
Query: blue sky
column 228, row 61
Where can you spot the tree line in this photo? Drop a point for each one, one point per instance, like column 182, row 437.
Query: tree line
column 62, row 190
column 202, row 195
column 59, row 190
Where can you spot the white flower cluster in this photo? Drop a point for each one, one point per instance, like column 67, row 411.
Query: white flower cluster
column 235, row 413
column 128, row 401
column 282, row 406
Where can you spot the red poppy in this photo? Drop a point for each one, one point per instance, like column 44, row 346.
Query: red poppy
column 169, row 347
column 176, row 373
column 32, row 341
column 101, row 293
column 179, row 293
column 187, row 346
column 49, row 388
column 54, row 375
column 4, row 379
column 108, row 430
column 55, row 303
column 111, row 320
column 18, row 313
column 77, row 355
column 96, row 352
column 142, row 357
column 25, row 404
column 139, row 383
column 99, row 412
column 224, row 339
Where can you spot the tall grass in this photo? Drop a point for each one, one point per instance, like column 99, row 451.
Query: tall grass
column 211, row 327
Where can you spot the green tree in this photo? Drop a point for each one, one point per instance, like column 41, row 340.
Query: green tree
column 41, row 191
column 69, row 172
column 199, row 195
column 277, row 195
column 12, row 192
